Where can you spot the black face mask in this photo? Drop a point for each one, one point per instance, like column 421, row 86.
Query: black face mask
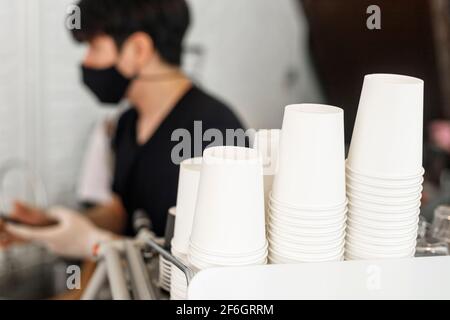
column 109, row 85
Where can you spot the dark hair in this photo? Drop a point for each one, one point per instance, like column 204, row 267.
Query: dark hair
column 165, row 21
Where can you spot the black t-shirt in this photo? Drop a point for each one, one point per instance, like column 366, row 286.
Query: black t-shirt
column 145, row 176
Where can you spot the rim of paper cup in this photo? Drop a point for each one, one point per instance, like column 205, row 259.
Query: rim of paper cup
column 230, row 262
column 317, row 208
column 208, row 257
column 393, row 78
column 360, row 245
column 307, row 216
column 382, row 225
column 370, row 176
column 351, row 188
column 227, row 254
column 384, row 242
column 386, row 209
column 351, row 196
column 305, row 248
column 308, row 223
column 197, row 263
column 374, row 233
column 319, row 257
column 306, row 239
column 352, row 248
column 304, row 231
column 301, row 229
column 383, row 216
column 388, row 188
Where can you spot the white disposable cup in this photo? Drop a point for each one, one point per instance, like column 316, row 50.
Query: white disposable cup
column 202, row 265
column 276, row 244
column 359, row 189
column 274, row 235
column 385, row 226
column 311, row 168
column 415, row 205
column 367, row 249
column 198, row 258
column 383, row 216
column 305, row 232
column 267, row 143
column 186, row 202
column 361, row 219
column 308, row 214
column 395, row 180
column 258, row 252
column 354, row 256
column 214, row 257
column 388, row 135
column 305, row 229
column 318, row 208
column 358, row 238
column 229, row 216
column 399, row 201
column 383, row 209
column 281, row 257
column 308, row 223
column 388, row 187
column 382, row 234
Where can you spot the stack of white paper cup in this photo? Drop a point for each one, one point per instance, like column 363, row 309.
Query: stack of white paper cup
column 229, row 223
column 384, row 169
column 308, row 202
column 267, row 143
column 178, row 285
column 186, row 202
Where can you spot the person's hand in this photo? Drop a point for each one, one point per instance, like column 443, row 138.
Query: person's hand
column 74, row 236
column 440, row 134
column 26, row 214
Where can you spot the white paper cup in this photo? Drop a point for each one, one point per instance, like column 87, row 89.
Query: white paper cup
column 349, row 256
column 305, row 240
column 309, row 175
column 229, row 216
column 281, row 219
column 381, row 192
column 399, row 201
column 186, row 202
column 305, row 229
column 385, row 226
column 388, row 242
column 384, row 216
column 308, row 213
column 326, row 233
column 385, row 187
column 277, row 245
column 281, row 257
column 388, row 135
column 364, row 205
column 395, row 180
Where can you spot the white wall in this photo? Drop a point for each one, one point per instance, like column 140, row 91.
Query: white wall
column 251, row 50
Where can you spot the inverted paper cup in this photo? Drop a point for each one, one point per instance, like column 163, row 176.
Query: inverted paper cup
column 383, row 226
column 380, row 200
column 277, row 245
column 305, row 222
column 308, row 213
column 384, row 187
column 186, row 202
column 388, row 135
column 359, row 238
column 229, row 215
column 304, row 239
column 385, row 179
column 304, row 232
column 311, row 170
column 285, row 258
column 381, row 192
column 399, row 217
column 386, row 209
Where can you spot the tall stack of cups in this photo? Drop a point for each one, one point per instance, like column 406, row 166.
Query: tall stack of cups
column 308, row 204
column 267, row 143
column 229, row 223
column 384, row 169
column 186, row 201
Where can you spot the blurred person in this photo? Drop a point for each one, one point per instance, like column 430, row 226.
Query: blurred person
column 134, row 53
